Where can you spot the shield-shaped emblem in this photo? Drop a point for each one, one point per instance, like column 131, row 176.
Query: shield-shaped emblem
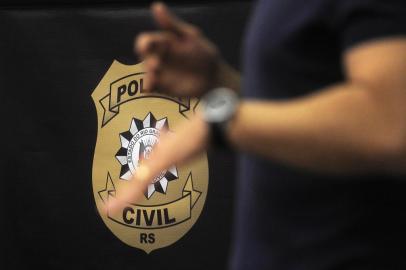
column 130, row 121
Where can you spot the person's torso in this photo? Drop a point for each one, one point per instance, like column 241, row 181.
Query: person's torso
column 292, row 219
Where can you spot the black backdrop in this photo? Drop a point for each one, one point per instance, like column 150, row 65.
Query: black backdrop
column 52, row 56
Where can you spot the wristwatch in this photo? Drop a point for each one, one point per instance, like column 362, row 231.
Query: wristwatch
column 218, row 109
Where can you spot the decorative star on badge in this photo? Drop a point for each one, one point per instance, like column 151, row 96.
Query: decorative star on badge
column 137, row 144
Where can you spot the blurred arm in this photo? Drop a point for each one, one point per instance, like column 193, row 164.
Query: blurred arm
column 228, row 77
column 359, row 125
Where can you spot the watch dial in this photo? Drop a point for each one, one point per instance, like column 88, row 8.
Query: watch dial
column 219, row 105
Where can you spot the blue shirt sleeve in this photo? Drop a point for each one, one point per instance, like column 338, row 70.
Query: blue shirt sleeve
column 359, row 21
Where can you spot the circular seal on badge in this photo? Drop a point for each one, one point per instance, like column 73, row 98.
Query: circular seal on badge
column 130, row 122
column 137, row 144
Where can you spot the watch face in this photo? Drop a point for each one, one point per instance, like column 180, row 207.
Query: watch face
column 219, row 105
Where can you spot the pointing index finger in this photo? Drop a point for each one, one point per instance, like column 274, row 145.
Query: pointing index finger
column 168, row 21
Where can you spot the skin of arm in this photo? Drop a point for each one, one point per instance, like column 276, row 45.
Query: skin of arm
column 228, row 77
column 356, row 126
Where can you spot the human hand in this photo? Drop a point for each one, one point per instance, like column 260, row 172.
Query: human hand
column 179, row 59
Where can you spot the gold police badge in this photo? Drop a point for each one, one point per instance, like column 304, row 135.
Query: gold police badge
column 130, row 121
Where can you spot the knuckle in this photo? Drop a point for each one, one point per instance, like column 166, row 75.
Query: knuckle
column 141, row 42
column 195, row 31
column 141, row 37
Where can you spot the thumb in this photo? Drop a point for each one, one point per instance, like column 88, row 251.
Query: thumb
column 168, row 21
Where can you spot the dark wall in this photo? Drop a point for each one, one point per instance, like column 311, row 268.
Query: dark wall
column 51, row 58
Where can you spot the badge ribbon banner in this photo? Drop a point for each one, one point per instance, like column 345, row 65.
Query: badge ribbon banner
column 157, row 216
column 129, row 88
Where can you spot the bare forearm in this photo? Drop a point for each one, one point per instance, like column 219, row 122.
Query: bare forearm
column 228, row 77
column 341, row 129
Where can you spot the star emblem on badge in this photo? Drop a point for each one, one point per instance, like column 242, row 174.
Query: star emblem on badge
column 137, row 144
